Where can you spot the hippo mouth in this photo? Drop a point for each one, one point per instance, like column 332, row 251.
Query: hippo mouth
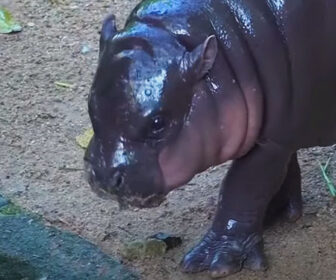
column 141, row 202
column 128, row 201
column 121, row 192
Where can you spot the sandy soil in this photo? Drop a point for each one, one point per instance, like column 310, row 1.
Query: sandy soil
column 41, row 165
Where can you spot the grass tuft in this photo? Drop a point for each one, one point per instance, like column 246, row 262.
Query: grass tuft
column 327, row 179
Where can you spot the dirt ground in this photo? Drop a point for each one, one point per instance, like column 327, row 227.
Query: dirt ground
column 41, row 165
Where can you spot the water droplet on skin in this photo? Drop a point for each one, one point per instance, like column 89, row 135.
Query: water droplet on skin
column 243, row 16
column 148, row 92
column 231, row 224
column 233, row 81
column 277, row 4
column 214, row 86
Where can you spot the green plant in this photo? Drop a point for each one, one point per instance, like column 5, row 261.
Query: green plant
column 326, row 177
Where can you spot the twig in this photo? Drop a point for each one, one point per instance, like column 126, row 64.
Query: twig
column 70, row 169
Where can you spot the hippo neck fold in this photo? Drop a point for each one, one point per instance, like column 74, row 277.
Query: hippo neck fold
column 237, row 103
column 222, row 124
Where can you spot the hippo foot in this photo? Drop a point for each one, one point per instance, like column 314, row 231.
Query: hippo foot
column 290, row 211
column 288, row 208
column 293, row 212
column 223, row 255
column 287, row 203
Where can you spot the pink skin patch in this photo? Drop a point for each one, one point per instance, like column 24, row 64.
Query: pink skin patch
column 232, row 124
column 180, row 161
column 254, row 103
column 206, row 139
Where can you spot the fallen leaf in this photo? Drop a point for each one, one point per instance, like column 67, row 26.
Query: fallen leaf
column 84, row 139
column 7, row 23
column 64, row 85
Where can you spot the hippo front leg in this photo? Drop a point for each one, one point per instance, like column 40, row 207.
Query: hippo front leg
column 235, row 238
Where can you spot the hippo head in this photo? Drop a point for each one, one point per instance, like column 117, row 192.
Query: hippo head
column 138, row 105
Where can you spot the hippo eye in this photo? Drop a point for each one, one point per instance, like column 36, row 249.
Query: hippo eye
column 157, row 126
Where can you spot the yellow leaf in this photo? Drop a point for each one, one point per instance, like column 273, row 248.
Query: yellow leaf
column 84, row 139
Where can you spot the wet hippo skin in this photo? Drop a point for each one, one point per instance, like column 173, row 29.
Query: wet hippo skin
column 190, row 84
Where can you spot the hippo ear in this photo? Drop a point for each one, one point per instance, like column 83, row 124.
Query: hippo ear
column 108, row 31
column 201, row 59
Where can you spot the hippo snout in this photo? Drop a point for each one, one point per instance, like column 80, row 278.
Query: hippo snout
column 106, row 183
column 128, row 184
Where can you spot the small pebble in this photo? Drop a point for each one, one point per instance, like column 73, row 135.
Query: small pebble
column 141, row 249
column 171, row 241
column 85, row 49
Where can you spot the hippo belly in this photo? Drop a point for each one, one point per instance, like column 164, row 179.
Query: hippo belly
column 306, row 117
column 312, row 54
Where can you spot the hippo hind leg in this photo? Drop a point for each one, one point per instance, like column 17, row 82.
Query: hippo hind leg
column 287, row 203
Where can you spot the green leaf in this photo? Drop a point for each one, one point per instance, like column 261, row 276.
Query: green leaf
column 7, row 23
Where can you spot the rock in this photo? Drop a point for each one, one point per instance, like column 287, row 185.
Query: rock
column 32, row 251
column 155, row 247
column 141, row 249
column 15, row 268
column 85, row 49
column 169, row 240
column 134, row 250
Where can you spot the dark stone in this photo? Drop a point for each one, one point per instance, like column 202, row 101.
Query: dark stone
column 171, row 241
column 34, row 251
column 12, row 268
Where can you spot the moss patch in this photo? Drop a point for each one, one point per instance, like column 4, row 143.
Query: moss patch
column 10, row 209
